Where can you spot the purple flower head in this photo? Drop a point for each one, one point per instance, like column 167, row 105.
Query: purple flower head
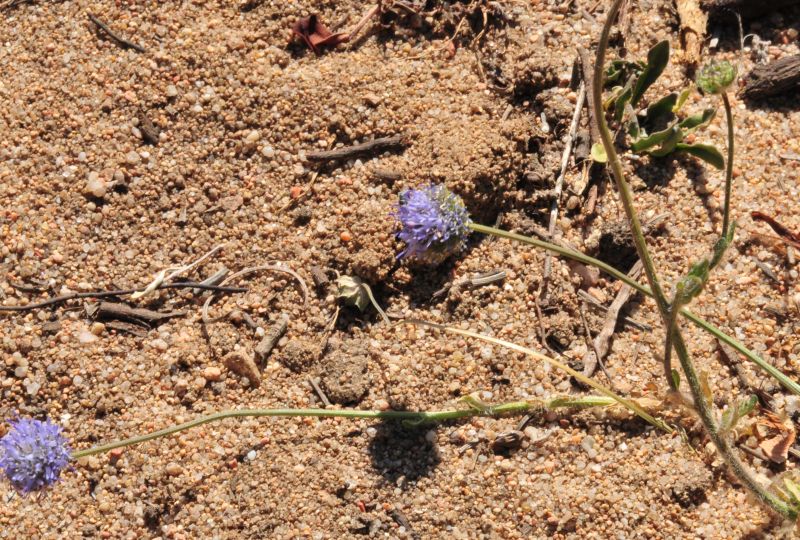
column 434, row 223
column 33, row 454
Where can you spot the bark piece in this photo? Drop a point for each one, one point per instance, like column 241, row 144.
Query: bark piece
column 693, row 29
column 242, row 364
column 746, row 8
column 778, row 77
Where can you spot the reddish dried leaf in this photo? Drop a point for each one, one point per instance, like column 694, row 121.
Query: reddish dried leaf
column 781, row 436
column 793, row 239
column 316, row 35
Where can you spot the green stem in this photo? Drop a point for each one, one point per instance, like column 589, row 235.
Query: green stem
column 726, row 213
column 671, row 324
column 616, row 165
column 415, row 417
column 610, row 270
column 702, row 406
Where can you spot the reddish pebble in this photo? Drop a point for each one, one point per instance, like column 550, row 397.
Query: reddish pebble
column 232, row 464
column 346, row 236
column 115, row 454
column 295, row 192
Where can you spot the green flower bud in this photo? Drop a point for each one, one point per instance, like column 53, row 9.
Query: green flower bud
column 716, row 77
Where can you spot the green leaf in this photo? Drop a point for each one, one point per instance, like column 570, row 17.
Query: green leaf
column 662, row 107
column 657, row 59
column 699, row 119
column 682, row 99
column 598, row 153
column 676, row 378
column 622, row 100
column 668, row 146
column 652, row 140
column 706, row 152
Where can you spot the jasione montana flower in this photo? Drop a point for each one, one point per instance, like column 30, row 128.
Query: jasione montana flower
column 434, row 223
column 33, row 454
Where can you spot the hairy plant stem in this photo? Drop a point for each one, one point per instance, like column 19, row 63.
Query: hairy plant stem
column 726, row 212
column 703, row 407
column 414, row 417
column 610, row 270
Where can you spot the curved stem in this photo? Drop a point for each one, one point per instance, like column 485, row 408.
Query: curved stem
column 616, row 165
column 671, row 324
column 610, row 270
column 702, row 406
column 415, row 417
column 726, row 213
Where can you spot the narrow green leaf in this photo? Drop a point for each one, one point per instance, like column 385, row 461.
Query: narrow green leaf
column 699, row 119
column 619, row 104
column 676, row 378
column 682, row 99
column 657, row 59
column 668, row 146
column 652, row 140
column 706, row 152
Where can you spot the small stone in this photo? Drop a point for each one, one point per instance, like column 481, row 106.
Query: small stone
column 85, row 336
column 172, row 91
column 173, row 469
column 132, row 158
column 253, row 136
column 251, row 455
column 20, row 372
column 212, row 373
column 97, row 328
column 95, row 186
column 160, row 345
column 372, row 100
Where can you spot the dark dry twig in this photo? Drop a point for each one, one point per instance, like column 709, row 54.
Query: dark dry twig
column 121, row 292
column 375, row 145
column 121, row 41
column 115, row 310
column 314, row 381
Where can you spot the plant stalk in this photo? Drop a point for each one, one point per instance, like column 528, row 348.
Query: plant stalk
column 577, row 256
column 726, row 212
column 702, row 406
column 415, row 417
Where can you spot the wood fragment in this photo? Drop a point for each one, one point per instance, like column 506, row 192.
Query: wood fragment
column 319, row 276
column 122, row 42
column 271, row 338
column 314, row 382
column 369, row 147
column 551, row 228
column 626, row 320
column 122, row 292
column 602, row 342
column 128, row 328
column 241, row 363
column 587, row 71
column 781, row 77
column 748, row 9
column 115, row 310
column 693, row 29
column 150, row 132
column 387, row 175
column 791, row 238
column 597, row 358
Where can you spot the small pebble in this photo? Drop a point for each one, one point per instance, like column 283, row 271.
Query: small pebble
column 173, row 469
column 212, row 373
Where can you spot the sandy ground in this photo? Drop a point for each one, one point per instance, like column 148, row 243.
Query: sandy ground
column 88, row 205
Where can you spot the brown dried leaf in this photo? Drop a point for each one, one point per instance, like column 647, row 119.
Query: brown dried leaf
column 316, row 35
column 780, row 439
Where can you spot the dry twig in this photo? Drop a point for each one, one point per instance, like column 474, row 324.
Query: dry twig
column 121, row 41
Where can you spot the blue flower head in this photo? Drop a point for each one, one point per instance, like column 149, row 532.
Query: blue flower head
column 434, row 223
column 33, row 454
